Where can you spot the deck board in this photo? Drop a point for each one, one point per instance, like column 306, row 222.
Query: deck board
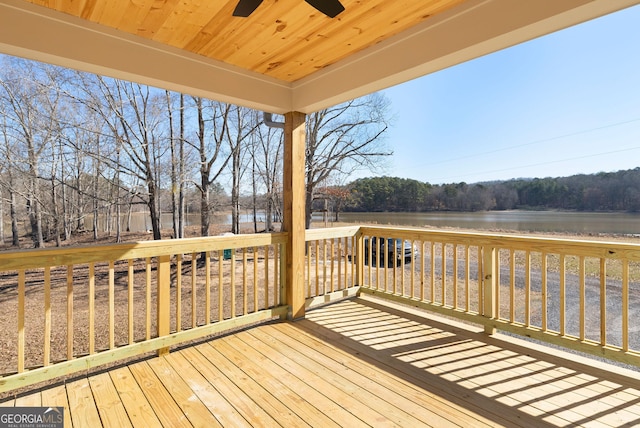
column 353, row 363
column 161, row 401
column 85, row 412
column 221, row 413
column 133, row 399
column 110, row 408
column 57, row 397
column 316, row 390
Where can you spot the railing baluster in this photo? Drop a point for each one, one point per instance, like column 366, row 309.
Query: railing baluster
column 543, row 296
column 281, row 267
column 369, row 263
column 386, row 264
column 207, row 284
column 148, row 297
column 220, row 286
column 324, row 266
column 582, row 298
column 163, row 299
column 379, row 282
column 467, row 279
column 244, row 282
column 47, row 316
column 233, row 284
column 255, row 279
column 563, row 295
column 512, row 287
column 92, row 298
column 308, row 272
column 394, row 269
column 603, row 301
column 489, row 285
column 194, row 290
column 496, row 273
column 69, row 312
column 625, row 305
column 432, row 296
column 527, row 288
column 130, row 305
column 422, row 270
column 332, row 265
column 413, row 270
column 400, row 258
column 358, row 260
column 266, row 277
column 339, row 263
column 112, row 316
column 345, row 260
column 21, row 302
column 455, row 276
column 317, row 258
column 178, row 292
column 443, row 293
column 479, row 281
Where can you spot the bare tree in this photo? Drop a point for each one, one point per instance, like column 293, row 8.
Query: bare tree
column 343, row 139
column 241, row 125
column 177, row 164
column 209, row 146
column 137, row 109
column 31, row 101
column 267, row 154
column 8, row 176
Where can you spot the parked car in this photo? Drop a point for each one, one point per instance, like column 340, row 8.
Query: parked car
column 394, row 249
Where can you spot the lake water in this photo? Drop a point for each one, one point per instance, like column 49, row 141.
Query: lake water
column 523, row 221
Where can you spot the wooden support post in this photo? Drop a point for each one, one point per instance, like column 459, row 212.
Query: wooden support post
column 489, row 285
column 164, row 299
column 294, row 211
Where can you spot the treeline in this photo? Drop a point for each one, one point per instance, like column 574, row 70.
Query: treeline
column 605, row 191
column 80, row 152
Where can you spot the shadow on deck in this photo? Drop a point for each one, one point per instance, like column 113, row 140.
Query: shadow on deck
column 360, row 362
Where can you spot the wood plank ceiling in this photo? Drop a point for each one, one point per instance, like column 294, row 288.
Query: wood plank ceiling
column 284, row 39
column 286, row 56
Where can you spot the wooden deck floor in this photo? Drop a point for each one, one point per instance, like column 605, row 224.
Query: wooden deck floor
column 354, row 363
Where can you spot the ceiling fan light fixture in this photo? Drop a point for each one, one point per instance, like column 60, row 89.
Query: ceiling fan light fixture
column 331, row 8
column 244, row 8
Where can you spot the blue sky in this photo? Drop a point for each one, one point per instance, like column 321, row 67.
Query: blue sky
column 563, row 104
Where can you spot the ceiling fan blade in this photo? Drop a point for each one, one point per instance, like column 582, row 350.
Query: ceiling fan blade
column 245, row 8
column 331, row 8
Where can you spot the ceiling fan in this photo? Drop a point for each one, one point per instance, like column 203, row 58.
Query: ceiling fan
column 331, row 8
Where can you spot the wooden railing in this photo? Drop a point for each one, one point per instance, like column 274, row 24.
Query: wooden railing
column 331, row 269
column 70, row 309
column 582, row 295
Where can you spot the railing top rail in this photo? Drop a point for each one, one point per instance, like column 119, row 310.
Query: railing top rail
column 332, row 232
column 580, row 247
column 30, row 259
